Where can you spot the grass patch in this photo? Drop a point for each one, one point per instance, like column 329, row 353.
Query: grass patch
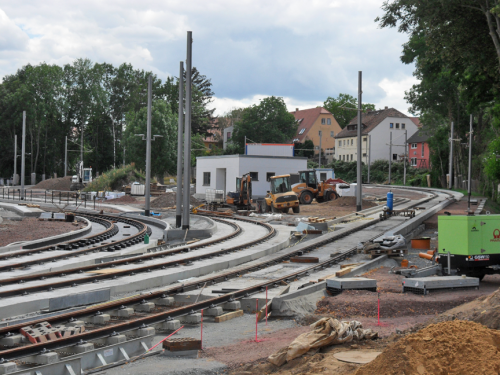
column 115, row 179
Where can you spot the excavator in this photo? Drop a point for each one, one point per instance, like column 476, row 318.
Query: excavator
column 82, row 178
column 309, row 188
column 281, row 197
column 241, row 199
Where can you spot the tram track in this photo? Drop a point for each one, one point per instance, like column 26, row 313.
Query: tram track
column 118, row 326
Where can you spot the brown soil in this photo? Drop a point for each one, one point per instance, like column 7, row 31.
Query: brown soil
column 169, row 200
column 336, row 208
column 398, row 193
column 61, row 183
column 30, row 229
column 126, row 199
column 457, row 347
column 456, row 208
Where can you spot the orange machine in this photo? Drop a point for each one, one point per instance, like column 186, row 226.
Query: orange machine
column 242, row 198
column 309, row 188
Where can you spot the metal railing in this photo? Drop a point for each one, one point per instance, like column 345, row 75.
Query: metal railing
column 53, row 197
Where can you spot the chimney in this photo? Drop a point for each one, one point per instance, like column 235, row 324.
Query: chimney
column 296, row 109
column 386, row 107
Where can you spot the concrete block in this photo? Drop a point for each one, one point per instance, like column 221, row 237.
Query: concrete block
column 167, row 301
column 11, row 340
column 192, row 318
column 171, row 325
column 123, row 313
column 141, row 332
column 228, row 316
column 7, row 368
column 351, row 283
column 146, row 307
column 99, row 319
column 83, row 348
column 113, row 340
column 232, row 306
column 45, row 359
column 75, row 323
column 216, row 311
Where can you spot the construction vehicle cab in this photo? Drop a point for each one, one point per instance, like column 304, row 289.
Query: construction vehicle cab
column 281, row 197
column 82, row 178
column 309, row 188
column 242, row 198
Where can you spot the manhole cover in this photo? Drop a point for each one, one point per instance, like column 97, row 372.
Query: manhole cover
column 356, row 356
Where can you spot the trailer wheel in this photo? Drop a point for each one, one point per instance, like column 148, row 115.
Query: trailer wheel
column 306, row 197
column 296, row 210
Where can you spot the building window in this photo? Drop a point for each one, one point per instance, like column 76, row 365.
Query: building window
column 343, row 157
column 269, row 175
column 403, row 126
column 210, row 146
column 423, row 149
column 344, row 142
column 332, row 134
column 316, row 147
column 413, row 162
column 302, row 131
column 328, row 121
column 322, row 176
column 352, row 142
column 413, row 145
column 323, row 121
column 340, row 143
column 394, row 156
column 397, row 125
column 228, row 135
column 391, row 125
column 364, row 155
column 206, row 178
column 254, row 176
column 351, row 157
column 364, row 139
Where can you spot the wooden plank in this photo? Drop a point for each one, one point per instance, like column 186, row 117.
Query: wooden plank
column 228, row 316
column 344, row 271
column 106, row 271
column 350, row 265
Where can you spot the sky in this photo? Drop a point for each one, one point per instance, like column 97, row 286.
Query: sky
column 303, row 51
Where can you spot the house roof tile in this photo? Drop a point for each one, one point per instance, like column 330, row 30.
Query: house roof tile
column 306, row 119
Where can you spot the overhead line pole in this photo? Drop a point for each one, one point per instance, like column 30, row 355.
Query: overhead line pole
column 23, row 151
column 178, row 208
column 147, row 190
column 369, row 155
column 450, row 184
column 358, row 179
column 65, row 156
column 15, row 160
column 187, row 134
column 470, row 166
column 390, row 156
column 404, row 160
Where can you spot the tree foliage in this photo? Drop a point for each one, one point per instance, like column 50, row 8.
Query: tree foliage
column 344, row 107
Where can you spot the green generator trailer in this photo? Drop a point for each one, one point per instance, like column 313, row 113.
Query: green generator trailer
column 473, row 243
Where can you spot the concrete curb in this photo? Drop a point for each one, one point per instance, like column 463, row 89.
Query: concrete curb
column 366, row 266
column 177, row 234
column 50, row 240
column 21, row 210
column 277, row 301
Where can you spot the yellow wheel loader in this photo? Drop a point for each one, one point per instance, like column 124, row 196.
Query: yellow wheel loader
column 281, row 197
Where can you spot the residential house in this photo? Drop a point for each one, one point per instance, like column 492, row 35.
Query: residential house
column 314, row 123
column 418, row 150
column 213, row 138
column 377, row 125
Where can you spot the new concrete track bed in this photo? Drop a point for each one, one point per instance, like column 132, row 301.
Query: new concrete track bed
column 163, row 316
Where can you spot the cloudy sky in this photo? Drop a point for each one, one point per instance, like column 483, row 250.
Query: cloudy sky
column 301, row 50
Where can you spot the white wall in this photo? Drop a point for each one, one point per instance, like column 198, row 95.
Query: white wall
column 210, row 164
column 270, row 149
column 381, row 133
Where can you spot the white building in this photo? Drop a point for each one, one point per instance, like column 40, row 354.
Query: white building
column 379, row 125
column 220, row 171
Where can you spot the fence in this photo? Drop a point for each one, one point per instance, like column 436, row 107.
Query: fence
column 53, row 197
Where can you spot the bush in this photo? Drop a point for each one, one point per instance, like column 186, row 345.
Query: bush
column 115, row 178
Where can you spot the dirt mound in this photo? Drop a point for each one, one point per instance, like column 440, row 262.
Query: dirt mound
column 457, row 347
column 349, row 201
column 169, row 200
column 61, row 183
column 126, row 199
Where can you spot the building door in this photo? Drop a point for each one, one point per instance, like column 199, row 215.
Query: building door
column 220, row 179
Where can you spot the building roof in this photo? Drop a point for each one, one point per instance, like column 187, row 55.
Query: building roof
column 306, row 119
column 419, row 136
column 416, row 120
column 369, row 121
column 214, row 132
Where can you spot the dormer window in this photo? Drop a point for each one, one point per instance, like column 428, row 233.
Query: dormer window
column 302, row 131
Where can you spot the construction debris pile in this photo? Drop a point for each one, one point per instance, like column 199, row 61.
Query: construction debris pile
column 61, row 183
column 325, row 332
column 168, row 200
column 456, row 347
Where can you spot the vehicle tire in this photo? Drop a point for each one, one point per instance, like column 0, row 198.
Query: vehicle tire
column 306, row 197
column 286, row 210
column 296, row 210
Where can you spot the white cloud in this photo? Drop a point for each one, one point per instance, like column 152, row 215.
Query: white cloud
column 394, row 93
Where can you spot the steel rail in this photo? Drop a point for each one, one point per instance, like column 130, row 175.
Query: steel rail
column 114, row 245
column 111, row 264
column 111, row 329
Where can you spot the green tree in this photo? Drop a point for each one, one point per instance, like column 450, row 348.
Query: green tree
column 164, row 149
column 343, row 108
column 305, row 149
column 266, row 122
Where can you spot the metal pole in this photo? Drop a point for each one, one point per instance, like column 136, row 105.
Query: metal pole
column 178, row 211
column 123, row 156
column 470, row 166
column 320, row 136
column 65, row 156
column 369, row 155
column 147, row 190
column 23, row 151
column 358, row 179
column 450, row 186
column 404, row 175
column 390, row 157
column 187, row 135
column 15, row 160
column 245, row 146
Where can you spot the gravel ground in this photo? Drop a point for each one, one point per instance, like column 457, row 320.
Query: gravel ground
column 30, row 229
